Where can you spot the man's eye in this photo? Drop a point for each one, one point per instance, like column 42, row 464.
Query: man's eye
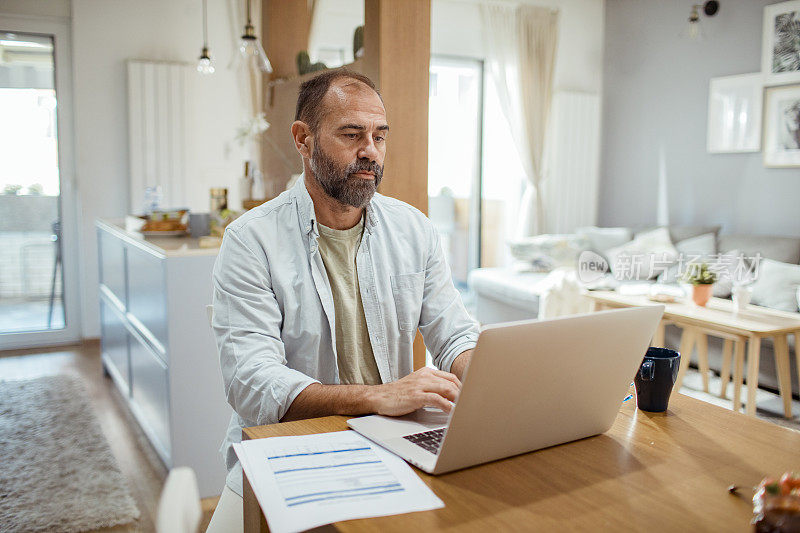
column 351, row 135
column 379, row 139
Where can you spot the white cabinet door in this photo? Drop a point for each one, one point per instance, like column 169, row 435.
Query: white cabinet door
column 146, row 292
column 151, row 395
column 115, row 345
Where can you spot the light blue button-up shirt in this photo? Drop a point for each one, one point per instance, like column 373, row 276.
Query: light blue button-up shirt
column 274, row 313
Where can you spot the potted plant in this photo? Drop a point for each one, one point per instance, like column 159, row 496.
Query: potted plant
column 701, row 279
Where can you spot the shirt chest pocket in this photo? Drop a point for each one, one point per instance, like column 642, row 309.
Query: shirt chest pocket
column 407, row 290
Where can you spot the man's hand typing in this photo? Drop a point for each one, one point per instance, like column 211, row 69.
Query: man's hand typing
column 425, row 387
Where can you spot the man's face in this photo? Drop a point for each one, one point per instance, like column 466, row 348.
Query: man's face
column 350, row 143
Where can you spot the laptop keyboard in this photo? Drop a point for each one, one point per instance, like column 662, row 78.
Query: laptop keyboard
column 429, row 440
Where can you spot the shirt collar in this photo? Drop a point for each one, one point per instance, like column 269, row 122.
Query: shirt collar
column 308, row 218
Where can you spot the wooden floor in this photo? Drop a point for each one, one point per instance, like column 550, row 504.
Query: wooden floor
column 139, row 463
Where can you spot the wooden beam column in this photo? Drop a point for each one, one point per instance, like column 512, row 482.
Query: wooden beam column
column 397, row 52
column 286, row 24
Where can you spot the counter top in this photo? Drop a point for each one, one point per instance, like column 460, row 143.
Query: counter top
column 162, row 246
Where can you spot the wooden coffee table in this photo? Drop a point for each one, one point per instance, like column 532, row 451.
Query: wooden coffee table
column 719, row 319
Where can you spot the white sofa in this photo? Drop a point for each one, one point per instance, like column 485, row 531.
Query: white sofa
column 505, row 294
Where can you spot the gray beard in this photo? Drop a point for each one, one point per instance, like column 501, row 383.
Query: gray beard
column 338, row 183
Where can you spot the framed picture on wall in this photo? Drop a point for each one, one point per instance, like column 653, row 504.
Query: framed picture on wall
column 734, row 113
column 780, row 43
column 782, row 126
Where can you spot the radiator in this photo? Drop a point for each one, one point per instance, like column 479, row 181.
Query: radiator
column 570, row 185
column 157, row 131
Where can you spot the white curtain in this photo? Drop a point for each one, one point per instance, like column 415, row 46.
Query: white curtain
column 521, row 46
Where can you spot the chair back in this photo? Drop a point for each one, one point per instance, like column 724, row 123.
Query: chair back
column 179, row 508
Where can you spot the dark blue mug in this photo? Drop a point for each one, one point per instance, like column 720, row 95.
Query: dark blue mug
column 655, row 379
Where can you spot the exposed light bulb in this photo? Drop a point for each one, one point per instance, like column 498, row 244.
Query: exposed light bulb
column 204, row 64
column 692, row 31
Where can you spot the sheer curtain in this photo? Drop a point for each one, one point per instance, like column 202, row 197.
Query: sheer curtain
column 521, row 46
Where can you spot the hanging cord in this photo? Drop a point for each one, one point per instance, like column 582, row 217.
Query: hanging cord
column 205, row 23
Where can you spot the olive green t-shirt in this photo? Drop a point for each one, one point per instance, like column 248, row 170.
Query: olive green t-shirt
column 353, row 348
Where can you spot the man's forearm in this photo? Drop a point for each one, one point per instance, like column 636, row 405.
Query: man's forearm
column 425, row 387
column 325, row 400
column 460, row 364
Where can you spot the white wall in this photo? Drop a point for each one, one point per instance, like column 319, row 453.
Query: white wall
column 456, row 31
column 106, row 34
column 655, row 117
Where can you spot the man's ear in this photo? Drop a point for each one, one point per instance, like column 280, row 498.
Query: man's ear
column 303, row 138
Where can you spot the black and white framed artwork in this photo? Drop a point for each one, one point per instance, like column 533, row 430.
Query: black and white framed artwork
column 781, row 145
column 780, row 48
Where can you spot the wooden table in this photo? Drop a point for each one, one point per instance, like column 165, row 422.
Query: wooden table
column 719, row 319
column 649, row 472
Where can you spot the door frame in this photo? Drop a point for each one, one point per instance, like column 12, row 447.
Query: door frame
column 59, row 29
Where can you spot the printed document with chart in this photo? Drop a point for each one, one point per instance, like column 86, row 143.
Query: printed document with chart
column 312, row 480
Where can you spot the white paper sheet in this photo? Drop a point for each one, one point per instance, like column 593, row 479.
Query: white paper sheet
column 312, row 480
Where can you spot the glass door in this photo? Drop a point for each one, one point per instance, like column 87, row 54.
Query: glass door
column 455, row 128
column 38, row 282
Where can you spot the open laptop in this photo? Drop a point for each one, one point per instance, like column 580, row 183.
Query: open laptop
column 529, row 385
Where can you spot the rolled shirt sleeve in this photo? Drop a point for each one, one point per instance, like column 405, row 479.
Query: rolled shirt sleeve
column 247, row 324
column 446, row 326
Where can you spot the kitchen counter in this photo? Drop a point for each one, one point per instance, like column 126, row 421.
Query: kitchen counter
column 158, row 347
column 162, row 246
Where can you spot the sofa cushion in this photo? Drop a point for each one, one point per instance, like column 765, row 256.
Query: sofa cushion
column 776, row 285
column 602, row 239
column 703, row 245
column 553, row 250
column 645, row 257
column 783, row 249
column 523, row 289
column 681, row 233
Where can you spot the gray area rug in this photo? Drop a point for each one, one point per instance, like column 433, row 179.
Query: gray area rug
column 57, row 472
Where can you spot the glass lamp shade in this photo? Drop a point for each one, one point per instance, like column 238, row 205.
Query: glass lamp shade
column 692, row 31
column 254, row 54
column 204, row 64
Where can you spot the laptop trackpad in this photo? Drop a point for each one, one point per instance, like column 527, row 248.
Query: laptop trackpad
column 382, row 427
column 429, row 417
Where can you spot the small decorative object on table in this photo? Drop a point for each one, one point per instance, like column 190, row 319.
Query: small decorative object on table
column 702, row 279
column 165, row 223
column 776, row 504
column 741, row 295
column 221, row 216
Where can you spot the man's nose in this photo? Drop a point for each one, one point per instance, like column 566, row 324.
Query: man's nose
column 369, row 150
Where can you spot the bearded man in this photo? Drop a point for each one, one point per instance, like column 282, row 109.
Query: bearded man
column 318, row 294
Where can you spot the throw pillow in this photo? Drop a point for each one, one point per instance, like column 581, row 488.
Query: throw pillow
column 643, row 258
column 776, row 285
column 703, row 245
column 602, row 239
column 695, row 249
column 553, row 250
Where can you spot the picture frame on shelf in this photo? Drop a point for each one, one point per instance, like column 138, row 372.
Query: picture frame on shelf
column 780, row 43
column 781, row 144
column 734, row 113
